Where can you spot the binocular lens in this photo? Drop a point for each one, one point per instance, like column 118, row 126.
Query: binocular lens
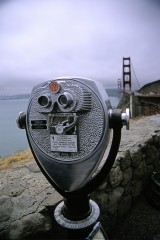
column 65, row 99
column 44, row 101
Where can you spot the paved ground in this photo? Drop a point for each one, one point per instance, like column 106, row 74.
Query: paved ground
column 142, row 223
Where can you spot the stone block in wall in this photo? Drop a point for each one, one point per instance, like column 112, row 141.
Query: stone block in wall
column 137, row 187
column 156, row 140
column 103, row 186
column 157, row 166
column 141, row 171
column 6, row 208
column 143, row 146
column 150, row 169
column 127, row 176
column 114, row 198
column 125, row 161
column 124, row 205
column 128, row 188
column 150, row 155
column 32, row 223
column 101, row 198
column 115, row 176
column 136, row 157
column 156, row 160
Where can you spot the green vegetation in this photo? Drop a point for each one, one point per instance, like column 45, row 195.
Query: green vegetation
column 124, row 102
column 151, row 88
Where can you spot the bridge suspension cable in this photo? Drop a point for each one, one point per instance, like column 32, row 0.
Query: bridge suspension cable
column 135, row 75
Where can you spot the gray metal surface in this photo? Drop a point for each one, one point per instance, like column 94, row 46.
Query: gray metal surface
column 68, row 129
column 90, row 220
column 91, row 122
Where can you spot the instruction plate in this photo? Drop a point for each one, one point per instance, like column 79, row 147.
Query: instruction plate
column 63, row 143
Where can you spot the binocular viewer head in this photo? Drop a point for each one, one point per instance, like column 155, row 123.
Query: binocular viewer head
column 68, row 125
column 62, row 96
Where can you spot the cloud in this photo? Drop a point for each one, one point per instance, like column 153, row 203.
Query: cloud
column 41, row 40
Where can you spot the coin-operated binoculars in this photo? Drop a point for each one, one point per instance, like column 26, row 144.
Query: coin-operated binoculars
column 74, row 135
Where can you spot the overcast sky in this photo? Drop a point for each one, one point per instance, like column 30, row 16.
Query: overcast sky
column 41, row 40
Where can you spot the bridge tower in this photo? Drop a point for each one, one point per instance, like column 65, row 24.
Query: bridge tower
column 119, row 85
column 126, row 73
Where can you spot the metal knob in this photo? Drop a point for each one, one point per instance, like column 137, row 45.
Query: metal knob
column 21, row 120
column 125, row 118
column 117, row 119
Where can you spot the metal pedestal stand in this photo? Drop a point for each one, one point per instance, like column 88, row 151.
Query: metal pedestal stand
column 80, row 219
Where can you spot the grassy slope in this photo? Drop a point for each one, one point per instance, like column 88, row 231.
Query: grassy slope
column 18, row 157
column 124, row 102
column 153, row 87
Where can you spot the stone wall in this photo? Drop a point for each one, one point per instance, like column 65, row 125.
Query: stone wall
column 144, row 105
column 138, row 157
column 26, row 198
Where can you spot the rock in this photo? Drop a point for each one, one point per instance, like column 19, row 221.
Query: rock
column 150, row 169
column 30, row 225
column 128, row 188
column 26, row 194
column 125, row 161
column 6, row 208
column 102, row 199
column 115, row 176
column 24, row 205
column 141, row 171
column 113, row 200
column 103, row 186
column 13, row 189
column 136, row 157
column 136, row 189
column 150, row 156
column 33, row 167
column 127, row 176
column 124, row 205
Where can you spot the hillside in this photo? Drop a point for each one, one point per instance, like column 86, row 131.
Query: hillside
column 151, row 88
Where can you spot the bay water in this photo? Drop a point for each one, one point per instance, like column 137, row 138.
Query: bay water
column 13, row 139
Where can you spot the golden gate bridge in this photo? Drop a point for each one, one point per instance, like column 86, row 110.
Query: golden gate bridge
column 141, row 103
